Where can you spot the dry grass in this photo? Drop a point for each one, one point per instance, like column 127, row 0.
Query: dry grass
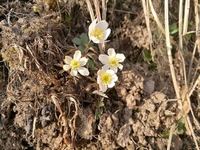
column 90, row 9
column 182, row 96
column 146, row 14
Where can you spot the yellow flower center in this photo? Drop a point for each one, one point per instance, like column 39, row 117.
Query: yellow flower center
column 74, row 64
column 98, row 33
column 113, row 62
column 106, row 78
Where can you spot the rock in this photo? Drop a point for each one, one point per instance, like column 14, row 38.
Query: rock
column 149, row 86
column 123, row 136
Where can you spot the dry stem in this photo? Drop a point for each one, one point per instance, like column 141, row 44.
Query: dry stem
column 168, row 45
column 186, row 16
column 170, row 137
column 180, row 23
column 90, row 9
column 160, row 26
column 191, row 62
column 196, row 15
column 97, row 9
column 192, row 132
column 146, row 14
column 104, row 9
column 194, row 86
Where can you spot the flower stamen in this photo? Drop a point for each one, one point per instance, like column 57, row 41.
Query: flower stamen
column 74, row 64
column 98, row 33
column 113, row 62
column 106, row 78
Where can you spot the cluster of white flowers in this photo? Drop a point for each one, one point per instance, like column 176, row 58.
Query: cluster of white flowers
column 106, row 76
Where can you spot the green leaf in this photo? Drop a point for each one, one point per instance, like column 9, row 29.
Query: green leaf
column 81, row 41
column 67, row 19
column 165, row 133
column 91, row 64
column 152, row 66
column 99, row 109
column 181, row 126
column 84, row 38
column 147, row 56
column 76, row 41
column 81, row 48
column 173, row 29
column 98, row 113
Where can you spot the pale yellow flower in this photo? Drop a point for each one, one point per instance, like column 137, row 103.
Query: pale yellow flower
column 106, row 79
column 76, row 64
column 113, row 60
column 98, row 32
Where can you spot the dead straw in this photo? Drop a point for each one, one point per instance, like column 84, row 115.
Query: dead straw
column 159, row 24
column 168, row 45
column 169, row 53
column 104, row 9
column 196, row 15
column 146, row 14
column 186, row 16
column 170, row 137
column 180, row 23
column 97, row 9
column 90, row 9
column 183, row 27
column 191, row 62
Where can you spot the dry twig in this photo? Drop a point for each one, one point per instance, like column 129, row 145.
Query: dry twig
column 168, row 45
column 146, row 14
column 170, row 137
column 90, row 9
column 186, row 16
column 97, row 9
column 159, row 24
column 104, row 9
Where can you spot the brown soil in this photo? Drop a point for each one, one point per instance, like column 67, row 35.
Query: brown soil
column 44, row 108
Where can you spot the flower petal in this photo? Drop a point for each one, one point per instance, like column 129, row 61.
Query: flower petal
column 74, row 72
column 114, row 77
column 83, row 61
column 105, row 67
column 83, row 71
column 107, row 33
column 92, row 25
column 95, row 40
column 102, row 25
column 110, row 72
column 120, row 57
column 67, row 59
column 120, row 66
column 102, row 87
column 99, row 72
column 111, row 84
column 98, row 79
column 91, row 28
column 103, row 58
column 111, row 52
column 66, row 67
column 115, row 69
column 77, row 55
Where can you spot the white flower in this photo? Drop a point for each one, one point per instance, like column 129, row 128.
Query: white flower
column 99, row 32
column 106, row 79
column 112, row 60
column 76, row 64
